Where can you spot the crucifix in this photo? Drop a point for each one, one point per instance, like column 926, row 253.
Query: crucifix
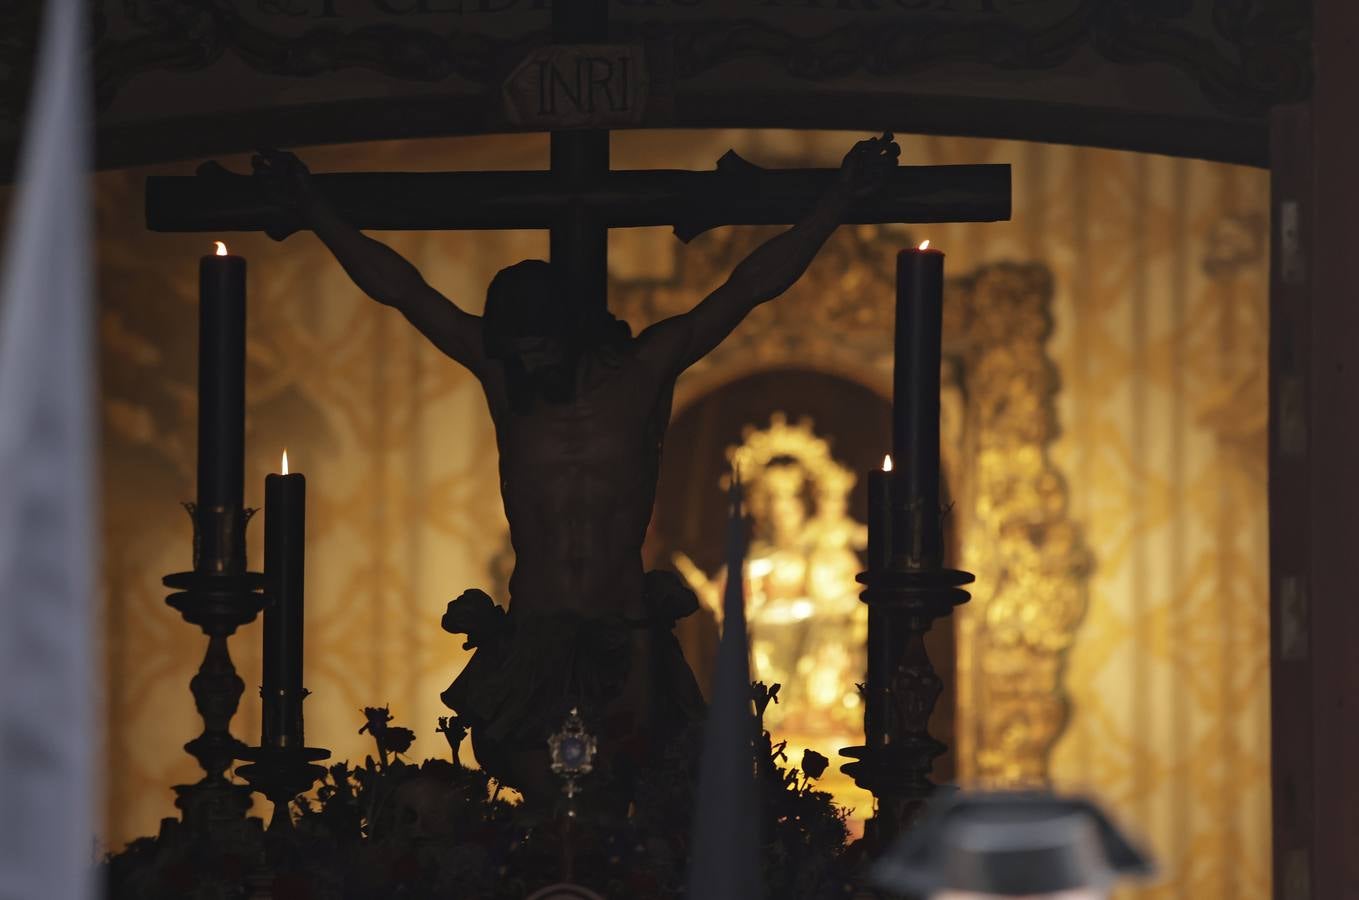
column 579, row 198
column 580, row 405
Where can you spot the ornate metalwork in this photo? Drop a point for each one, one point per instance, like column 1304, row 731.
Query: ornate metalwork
column 280, row 774
column 218, row 599
column 572, row 752
column 898, row 753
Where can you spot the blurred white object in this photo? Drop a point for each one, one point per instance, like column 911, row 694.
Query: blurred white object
column 1008, row 845
column 724, row 862
column 48, row 733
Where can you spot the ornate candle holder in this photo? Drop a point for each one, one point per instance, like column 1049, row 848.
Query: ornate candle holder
column 218, row 596
column 280, row 774
column 907, row 585
column 898, row 753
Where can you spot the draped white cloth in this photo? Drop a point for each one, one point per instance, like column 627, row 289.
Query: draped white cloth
column 48, row 513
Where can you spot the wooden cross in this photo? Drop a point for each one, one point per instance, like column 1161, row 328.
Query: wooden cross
column 579, row 198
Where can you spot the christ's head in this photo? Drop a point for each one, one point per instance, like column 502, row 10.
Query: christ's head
column 531, row 326
column 527, row 320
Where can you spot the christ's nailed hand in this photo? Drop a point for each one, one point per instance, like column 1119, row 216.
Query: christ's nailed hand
column 868, row 163
column 289, row 184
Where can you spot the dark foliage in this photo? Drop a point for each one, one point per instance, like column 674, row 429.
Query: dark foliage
column 393, row 829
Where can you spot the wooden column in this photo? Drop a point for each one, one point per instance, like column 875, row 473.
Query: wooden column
column 1314, row 473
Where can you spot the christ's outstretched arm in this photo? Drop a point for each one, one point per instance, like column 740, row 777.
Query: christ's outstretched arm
column 772, row 268
column 378, row 270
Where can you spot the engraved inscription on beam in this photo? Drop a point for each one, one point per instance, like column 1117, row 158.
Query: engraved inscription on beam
column 577, row 86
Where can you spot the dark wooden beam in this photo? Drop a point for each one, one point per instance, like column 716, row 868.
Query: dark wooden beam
column 579, row 240
column 1294, row 712
column 693, row 202
column 1313, row 476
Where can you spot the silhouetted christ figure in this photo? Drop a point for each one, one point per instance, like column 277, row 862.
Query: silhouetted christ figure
column 580, row 407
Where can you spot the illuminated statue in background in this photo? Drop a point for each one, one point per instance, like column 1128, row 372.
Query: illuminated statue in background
column 806, row 622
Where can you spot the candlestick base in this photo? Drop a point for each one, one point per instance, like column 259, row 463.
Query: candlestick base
column 898, row 754
column 215, row 810
column 218, row 603
column 280, row 774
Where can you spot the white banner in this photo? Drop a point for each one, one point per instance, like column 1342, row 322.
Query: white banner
column 48, row 511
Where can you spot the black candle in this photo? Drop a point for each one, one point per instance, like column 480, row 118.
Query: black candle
column 880, row 517
column 221, row 400
column 915, row 410
column 285, row 509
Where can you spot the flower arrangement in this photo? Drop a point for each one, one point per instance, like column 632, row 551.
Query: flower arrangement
column 391, row 828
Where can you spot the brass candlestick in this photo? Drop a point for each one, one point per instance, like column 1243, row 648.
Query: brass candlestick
column 218, row 596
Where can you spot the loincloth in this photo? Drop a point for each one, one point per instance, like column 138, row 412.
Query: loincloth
column 529, row 671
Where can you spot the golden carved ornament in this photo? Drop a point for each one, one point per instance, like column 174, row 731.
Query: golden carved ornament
column 1031, row 565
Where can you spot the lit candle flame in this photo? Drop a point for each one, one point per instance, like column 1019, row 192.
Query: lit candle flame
column 221, row 248
column 285, row 461
column 887, row 463
column 924, row 245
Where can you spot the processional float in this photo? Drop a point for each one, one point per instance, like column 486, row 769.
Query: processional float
column 907, row 586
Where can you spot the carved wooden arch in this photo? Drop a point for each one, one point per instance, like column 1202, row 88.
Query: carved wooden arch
column 999, row 424
column 1191, row 77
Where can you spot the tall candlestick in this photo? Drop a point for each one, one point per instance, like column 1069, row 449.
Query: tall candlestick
column 905, row 596
column 221, row 411
column 915, row 412
column 285, row 507
column 880, row 517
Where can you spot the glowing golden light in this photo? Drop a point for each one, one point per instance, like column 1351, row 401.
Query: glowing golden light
column 924, row 245
column 887, row 463
column 801, row 600
column 285, row 461
column 221, row 248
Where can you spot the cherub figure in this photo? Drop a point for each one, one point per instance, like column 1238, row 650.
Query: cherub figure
column 580, row 407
